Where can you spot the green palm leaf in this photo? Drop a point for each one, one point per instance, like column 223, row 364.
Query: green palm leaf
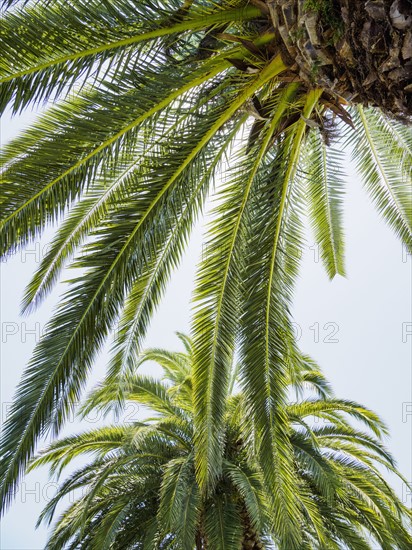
column 71, row 349
column 386, row 169
column 324, row 188
column 83, row 37
column 265, row 327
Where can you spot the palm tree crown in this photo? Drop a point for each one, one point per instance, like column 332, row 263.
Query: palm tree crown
column 140, row 489
column 151, row 99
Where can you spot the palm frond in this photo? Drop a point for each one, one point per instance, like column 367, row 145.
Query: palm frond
column 384, row 163
column 324, row 191
column 266, row 332
column 223, row 525
column 318, row 407
column 49, row 47
column 34, row 193
column 215, row 318
column 80, row 325
column 174, row 514
column 100, row 442
column 147, row 290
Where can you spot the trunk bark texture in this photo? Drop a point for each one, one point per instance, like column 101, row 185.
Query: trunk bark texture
column 251, row 540
column 360, row 50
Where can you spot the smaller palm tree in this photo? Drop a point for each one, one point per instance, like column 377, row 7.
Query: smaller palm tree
column 140, row 491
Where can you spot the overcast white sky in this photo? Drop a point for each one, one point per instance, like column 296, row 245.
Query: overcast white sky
column 359, row 329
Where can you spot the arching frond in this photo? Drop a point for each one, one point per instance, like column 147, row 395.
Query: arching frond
column 216, row 298
column 49, row 178
column 51, row 46
column 318, row 407
column 385, row 165
column 81, row 325
column 324, row 190
column 223, row 525
column 266, row 331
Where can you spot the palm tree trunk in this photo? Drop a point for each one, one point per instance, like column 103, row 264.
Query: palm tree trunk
column 251, row 540
column 358, row 49
column 200, row 537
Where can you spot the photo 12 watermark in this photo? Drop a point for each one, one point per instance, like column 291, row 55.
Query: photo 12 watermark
column 406, row 411
column 23, row 331
column 325, row 333
column 127, row 413
column 407, row 493
column 406, row 333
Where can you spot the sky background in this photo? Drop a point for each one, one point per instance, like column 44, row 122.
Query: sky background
column 359, row 329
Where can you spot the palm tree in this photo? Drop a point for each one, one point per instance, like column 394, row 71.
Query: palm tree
column 150, row 101
column 139, row 489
